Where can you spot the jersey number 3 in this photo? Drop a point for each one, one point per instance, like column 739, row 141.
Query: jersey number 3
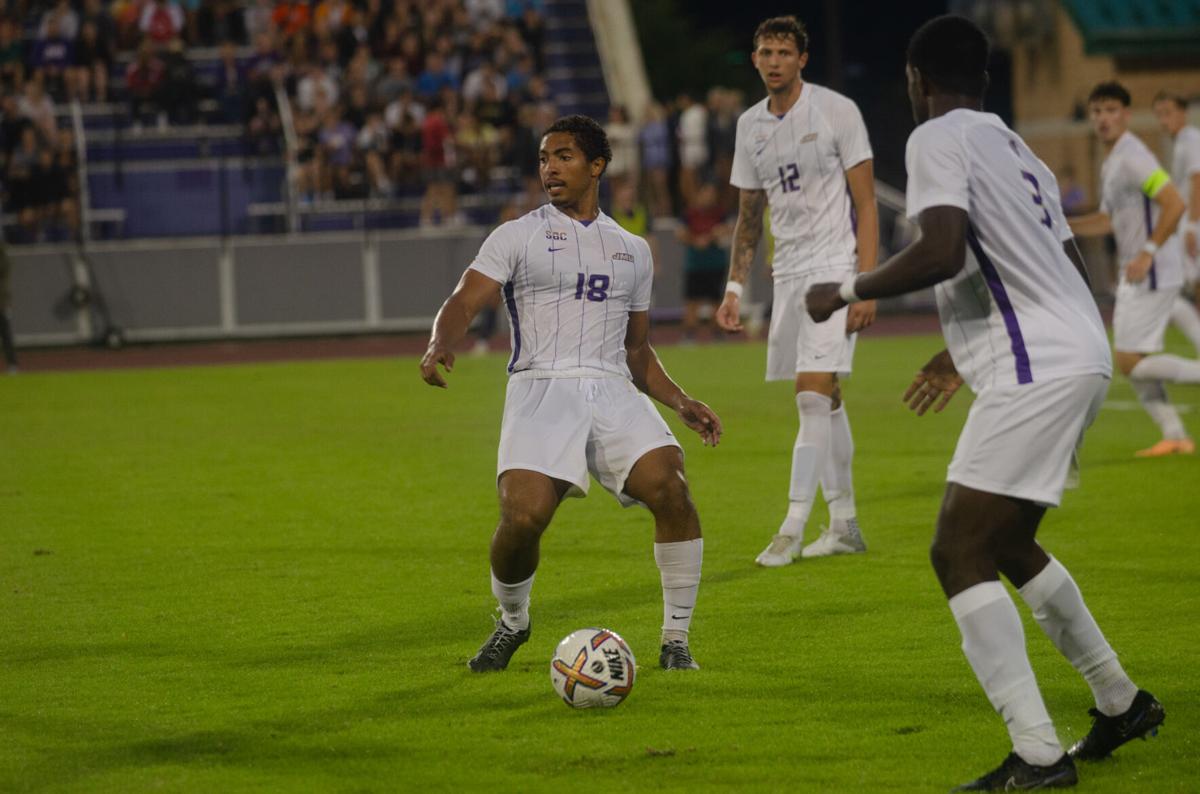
column 595, row 288
column 1037, row 198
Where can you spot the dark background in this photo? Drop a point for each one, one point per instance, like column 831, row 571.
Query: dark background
column 855, row 46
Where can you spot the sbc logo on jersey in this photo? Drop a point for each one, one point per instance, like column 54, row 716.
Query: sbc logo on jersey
column 556, row 235
column 624, row 257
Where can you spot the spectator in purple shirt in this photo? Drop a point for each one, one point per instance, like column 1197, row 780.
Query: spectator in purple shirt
column 53, row 55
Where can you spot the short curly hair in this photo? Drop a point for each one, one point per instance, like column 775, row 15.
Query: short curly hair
column 588, row 134
column 782, row 28
column 1110, row 90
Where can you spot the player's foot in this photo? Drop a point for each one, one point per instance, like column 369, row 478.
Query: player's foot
column 499, row 648
column 676, row 656
column 782, row 550
column 1140, row 721
column 842, row 537
column 1016, row 774
column 1168, row 446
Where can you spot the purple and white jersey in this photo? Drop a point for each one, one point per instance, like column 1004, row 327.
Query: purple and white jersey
column 1185, row 163
column 1130, row 178
column 801, row 161
column 569, row 288
column 1018, row 311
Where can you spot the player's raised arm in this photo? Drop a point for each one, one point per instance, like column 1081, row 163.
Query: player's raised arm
column 651, row 378
column 473, row 293
column 861, row 181
column 747, row 231
column 938, row 254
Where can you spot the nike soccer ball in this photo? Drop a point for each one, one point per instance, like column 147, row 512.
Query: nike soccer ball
column 592, row 668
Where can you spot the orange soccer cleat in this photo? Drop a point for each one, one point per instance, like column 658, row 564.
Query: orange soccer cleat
column 1168, row 446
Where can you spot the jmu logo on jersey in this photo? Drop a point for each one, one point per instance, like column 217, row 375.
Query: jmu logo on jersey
column 624, row 257
column 550, row 235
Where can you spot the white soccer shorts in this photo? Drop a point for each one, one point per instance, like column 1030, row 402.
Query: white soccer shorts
column 1022, row 440
column 797, row 344
column 566, row 427
column 1140, row 317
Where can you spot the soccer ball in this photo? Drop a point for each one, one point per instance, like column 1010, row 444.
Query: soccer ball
column 592, row 668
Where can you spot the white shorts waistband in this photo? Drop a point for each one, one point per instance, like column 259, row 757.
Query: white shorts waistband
column 574, row 372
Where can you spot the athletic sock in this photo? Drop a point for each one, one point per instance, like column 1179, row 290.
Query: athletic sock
column 837, row 483
column 679, row 566
column 1186, row 318
column 1164, row 366
column 808, row 459
column 994, row 644
column 514, row 601
column 1153, row 397
column 1058, row 607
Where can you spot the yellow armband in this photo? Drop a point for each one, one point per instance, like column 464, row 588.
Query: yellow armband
column 1155, row 182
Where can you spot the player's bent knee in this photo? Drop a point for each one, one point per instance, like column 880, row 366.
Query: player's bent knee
column 522, row 520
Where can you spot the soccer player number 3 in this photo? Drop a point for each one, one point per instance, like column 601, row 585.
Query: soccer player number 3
column 596, row 287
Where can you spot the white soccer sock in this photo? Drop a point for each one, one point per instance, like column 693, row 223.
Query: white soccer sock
column 1058, row 607
column 994, row 644
column 1164, row 366
column 1153, row 397
column 808, row 459
column 1186, row 318
column 837, row 482
column 514, row 601
column 679, row 566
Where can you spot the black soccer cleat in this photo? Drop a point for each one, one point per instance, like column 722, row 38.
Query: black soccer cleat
column 1140, row 721
column 498, row 648
column 676, row 656
column 1016, row 774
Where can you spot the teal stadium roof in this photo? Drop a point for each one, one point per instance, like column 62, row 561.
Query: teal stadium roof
column 1140, row 28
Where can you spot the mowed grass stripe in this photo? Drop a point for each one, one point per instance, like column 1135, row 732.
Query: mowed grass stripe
column 269, row 578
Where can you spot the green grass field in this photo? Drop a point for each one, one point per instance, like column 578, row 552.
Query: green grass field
column 269, row 577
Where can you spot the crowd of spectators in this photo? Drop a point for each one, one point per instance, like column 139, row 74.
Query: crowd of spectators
column 429, row 98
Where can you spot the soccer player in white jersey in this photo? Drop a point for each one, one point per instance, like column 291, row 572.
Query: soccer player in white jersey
column 1023, row 332
column 1141, row 208
column 1171, row 111
column 804, row 151
column 577, row 289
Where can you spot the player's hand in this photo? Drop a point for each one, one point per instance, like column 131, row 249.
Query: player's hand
column 860, row 316
column 700, row 417
column 934, row 385
column 1190, row 245
column 729, row 313
column 822, row 300
column 1137, row 269
column 434, row 355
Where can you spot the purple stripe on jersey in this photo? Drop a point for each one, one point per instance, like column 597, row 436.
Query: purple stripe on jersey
column 1000, row 295
column 511, row 302
column 1150, row 231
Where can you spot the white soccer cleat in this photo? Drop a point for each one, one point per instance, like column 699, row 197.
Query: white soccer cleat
column 842, row 537
column 782, row 551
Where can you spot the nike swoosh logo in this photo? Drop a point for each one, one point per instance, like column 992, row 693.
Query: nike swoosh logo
column 678, row 617
column 552, row 250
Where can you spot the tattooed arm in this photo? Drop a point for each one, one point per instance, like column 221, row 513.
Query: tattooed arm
column 747, row 231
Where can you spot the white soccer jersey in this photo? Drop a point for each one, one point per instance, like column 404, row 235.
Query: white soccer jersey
column 569, row 288
column 1185, row 162
column 1128, row 185
column 801, row 161
column 1018, row 311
